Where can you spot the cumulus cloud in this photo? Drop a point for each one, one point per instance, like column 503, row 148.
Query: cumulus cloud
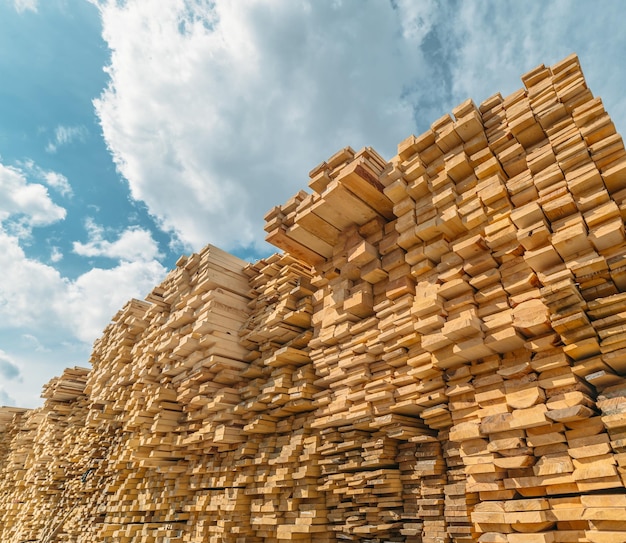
column 34, row 295
column 64, row 135
column 25, row 204
column 216, row 110
column 48, row 321
column 27, row 287
column 91, row 300
column 25, row 5
column 59, row 182
column 133, row 244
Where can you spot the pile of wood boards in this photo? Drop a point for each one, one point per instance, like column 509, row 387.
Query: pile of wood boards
column 42, row 461
column 472, row 290
column 438, row 355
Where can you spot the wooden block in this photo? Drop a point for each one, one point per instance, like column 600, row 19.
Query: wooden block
column 531, row 318
column 614, row 175
column 529, row 417
column 542, row 537
column 361, row 180
column 280, row 239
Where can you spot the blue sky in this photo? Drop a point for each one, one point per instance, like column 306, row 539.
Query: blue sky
column 51, row 61
column 134, row 131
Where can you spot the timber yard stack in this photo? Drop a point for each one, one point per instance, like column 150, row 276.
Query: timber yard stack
column 20, row 435
column 439, row 355
column 358, row 348
column 281, row 465
column 170, row 366
column 494, row 278
column 40, row 470
column 9, row 422
column 13, row 437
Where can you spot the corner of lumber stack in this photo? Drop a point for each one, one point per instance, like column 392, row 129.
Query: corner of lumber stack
column 438, row 355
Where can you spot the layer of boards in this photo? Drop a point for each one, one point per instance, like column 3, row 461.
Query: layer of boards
column 439, row 355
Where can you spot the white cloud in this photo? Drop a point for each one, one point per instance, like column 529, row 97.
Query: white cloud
column 216, row 110
column 58, row 182
column 56, row 255
column 54, row 180
column 63, row 316
column 416, row 18
column 48, row 321
column 35, row 295
column 133, row 244
column 25, row 204
column 64, row 135
column 27, row 288
column 91, row 300
column 25, row 5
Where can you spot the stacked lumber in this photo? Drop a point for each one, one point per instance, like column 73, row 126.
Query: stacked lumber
column 438, row 356
column 122, row 393
column 424, row 479
column 496, row 286
column 13, row 447
column 7, row 416
column 20, row 434
column 612, row 403
column 172, row 363
column 141, row 452
column 357, row 429
column 278, row 403
column 38, row 473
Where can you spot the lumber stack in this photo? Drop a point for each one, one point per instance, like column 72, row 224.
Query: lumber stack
column 39, row 468
column 12, row 455
column 151, row 413
column 437, row 356
column 20, row 435
column 172, row 363
column 125, row 405
column 7, row 419
column 260, row 481
column 497, row 290
column 277, row 405
column 612, row 403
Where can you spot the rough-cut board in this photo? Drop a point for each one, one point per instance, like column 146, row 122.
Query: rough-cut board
column 438, row 356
